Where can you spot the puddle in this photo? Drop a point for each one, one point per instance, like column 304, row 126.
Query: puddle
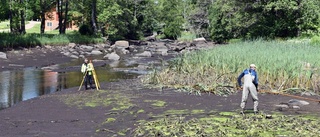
column 21, row 85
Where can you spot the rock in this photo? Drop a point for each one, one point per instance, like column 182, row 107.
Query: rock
column 114, row 64
column 81, row 56
column 86, row 48
column 99, row 46
column 161, row 49
column 295, row 107
column 308, row 93
column 66, row 53
column 47, row 46
column 122, row 44
column 200, row 39
column 71, row 45
column 96, row 52
column 268, row 116
column 283, row 106
column 163, row 52
column 151, row 38
column 75, row 53
column 145, row 54
column 296, row 102
column 74, row 56
column 3, row 55
column 112, row 56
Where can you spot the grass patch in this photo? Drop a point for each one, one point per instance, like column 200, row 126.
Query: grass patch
column 288, row 66
column 140, row 111
column 4, row 25
column 110, row 120
column 187, row 36
column 236, row 125
column 114, row 100
column 157, row 103
column 36, row 30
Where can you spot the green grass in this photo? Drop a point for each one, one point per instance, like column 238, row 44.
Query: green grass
column 10, row 41
column 36, row 29
column 4, row 25
column 187, row 36
column 282, row 65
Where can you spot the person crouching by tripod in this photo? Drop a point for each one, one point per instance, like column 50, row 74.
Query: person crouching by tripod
column 86, row 70
column 250, row 85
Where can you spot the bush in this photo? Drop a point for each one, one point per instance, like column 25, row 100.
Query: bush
column 315, row 40
column 85, row 30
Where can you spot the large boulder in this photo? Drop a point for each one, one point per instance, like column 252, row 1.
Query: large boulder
column 112, row 56
column 121, row 44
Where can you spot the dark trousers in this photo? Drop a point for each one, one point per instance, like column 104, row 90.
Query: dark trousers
column 88, row 80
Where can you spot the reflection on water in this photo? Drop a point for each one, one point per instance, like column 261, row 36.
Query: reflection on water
column 20, row 85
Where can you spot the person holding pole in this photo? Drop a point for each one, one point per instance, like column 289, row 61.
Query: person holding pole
column 250, row 85
column 86, row 70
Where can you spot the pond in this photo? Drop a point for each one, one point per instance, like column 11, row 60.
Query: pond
column 28, row 83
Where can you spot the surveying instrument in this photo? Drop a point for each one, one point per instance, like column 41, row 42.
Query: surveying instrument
column 95, row 78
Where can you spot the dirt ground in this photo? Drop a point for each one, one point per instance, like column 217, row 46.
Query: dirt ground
column 69, row 113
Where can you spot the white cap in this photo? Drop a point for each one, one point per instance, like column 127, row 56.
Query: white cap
column 252, row 65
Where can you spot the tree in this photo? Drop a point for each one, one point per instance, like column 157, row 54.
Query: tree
column 172, row 18
column 4, row 10
column 94, row 21
column 267, row 19
column 126, row 19
column 199, row 16
column 45, row 6
column 16, row 16
column 63, row 8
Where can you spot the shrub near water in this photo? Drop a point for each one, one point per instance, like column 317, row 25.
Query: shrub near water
column 281, row 66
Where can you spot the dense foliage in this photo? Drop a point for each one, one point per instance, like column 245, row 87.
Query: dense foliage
column 268, row 19
column 220, row 20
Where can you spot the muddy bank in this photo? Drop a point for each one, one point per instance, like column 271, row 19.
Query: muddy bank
column 118, row 110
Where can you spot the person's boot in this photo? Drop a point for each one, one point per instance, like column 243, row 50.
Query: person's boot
column 242, row 112
column 256, row 112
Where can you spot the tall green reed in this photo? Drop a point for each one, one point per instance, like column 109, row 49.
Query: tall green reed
column 281, row 65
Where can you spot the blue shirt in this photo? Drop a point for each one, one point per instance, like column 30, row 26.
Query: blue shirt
column 249, row 71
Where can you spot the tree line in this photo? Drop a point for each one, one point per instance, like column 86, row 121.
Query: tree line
column 219, row 20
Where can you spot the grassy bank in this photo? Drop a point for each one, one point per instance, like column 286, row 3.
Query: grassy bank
column 9, row 41
column 282, row 66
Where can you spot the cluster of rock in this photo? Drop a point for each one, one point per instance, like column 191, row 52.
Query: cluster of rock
column 136, row 48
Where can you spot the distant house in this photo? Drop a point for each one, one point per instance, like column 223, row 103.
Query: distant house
column 52, row 21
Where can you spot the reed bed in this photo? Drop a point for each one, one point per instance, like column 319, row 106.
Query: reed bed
column 281, row 66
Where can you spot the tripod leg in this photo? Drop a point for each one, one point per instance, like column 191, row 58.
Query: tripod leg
column 96, row 80
column 82, row 80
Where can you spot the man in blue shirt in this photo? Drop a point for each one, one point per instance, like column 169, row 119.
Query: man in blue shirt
column 250, row 85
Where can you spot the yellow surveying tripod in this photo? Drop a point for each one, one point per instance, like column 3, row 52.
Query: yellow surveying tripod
column 95, row 78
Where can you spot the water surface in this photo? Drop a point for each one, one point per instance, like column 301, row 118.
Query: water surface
column 21, row 85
